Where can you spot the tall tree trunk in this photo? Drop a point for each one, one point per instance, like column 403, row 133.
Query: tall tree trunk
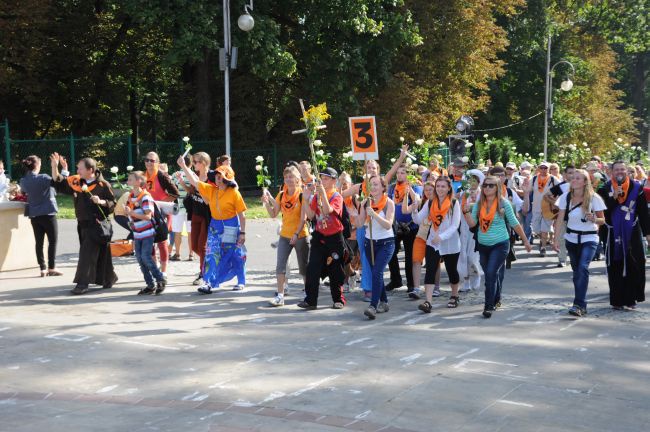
column 134, row 116
column 203, row 97
column 639, row 94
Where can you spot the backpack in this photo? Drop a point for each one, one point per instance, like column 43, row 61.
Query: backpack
column 159, row 222
column 345, row 219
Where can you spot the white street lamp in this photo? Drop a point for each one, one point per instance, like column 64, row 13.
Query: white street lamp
column 566, row 86
column 228, row 57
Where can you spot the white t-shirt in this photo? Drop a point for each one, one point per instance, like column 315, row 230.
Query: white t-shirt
column 539, row 196
column 575, row 218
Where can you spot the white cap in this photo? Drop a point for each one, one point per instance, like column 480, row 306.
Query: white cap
column 511, row 165
column 477, row 173
column 526, row 165
column 541, row 164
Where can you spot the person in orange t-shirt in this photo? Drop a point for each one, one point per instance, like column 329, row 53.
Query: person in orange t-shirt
column 293, row 233
column 225, row 255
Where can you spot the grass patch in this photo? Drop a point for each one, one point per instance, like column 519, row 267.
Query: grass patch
column 255, row 208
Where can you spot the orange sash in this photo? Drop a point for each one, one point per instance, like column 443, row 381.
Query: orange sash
column 400, row 192
column 541, row 183
column 289, row 202
column 151, row 180
column 625, row 186
column 486, row 217
column 378, row 206
column 135, row 204
column 438, row 213
column 76, row 184
column 504, row 191
column 349, row 202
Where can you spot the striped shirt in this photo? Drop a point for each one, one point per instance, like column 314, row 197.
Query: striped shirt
column 142, row 229
column 498, row 232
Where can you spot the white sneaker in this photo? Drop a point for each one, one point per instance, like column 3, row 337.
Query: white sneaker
column 277, row 301
column 239, row 287
column 382, row 307
column 198, row 281
column 436, row 292
column 466, row 286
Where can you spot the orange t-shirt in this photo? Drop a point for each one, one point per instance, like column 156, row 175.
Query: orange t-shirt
column 224, row 204
column 290, row 217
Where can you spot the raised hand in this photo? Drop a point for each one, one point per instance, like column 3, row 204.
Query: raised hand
column 181, row 162
column 64, row 163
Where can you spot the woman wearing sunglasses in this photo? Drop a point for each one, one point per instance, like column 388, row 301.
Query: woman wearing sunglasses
column 490, row 213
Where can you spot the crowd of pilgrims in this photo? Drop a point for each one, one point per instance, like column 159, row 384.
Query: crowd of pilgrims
column 348, row 233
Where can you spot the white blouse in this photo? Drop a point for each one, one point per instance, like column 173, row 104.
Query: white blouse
column 448, row 230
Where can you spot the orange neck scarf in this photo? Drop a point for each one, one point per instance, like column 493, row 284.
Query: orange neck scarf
column 437, row 212
column 504, row 191
column 379, row 205
column 541, row 182
column 487, row 216
column 625, row 186
column 349, row 202
column 151, row 179
column 400, row 192
column 76, row 183
column 289, row 202
column 130, row 202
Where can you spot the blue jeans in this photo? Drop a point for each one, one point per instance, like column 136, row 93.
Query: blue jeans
column 383, row 253
column 581, row 256
column 493, row 262
column 527, row 220
column 148, row 267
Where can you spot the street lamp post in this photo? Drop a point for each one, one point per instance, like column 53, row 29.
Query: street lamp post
column 228, row 58
column 566, row 85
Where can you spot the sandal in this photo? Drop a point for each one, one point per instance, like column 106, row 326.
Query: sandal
column 453, row 302
column 425, row 307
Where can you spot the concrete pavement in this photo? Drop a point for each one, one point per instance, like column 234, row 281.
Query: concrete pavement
column 113, row 361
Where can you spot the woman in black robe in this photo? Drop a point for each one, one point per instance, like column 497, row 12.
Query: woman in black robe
column 626, row 222
column 93, row 203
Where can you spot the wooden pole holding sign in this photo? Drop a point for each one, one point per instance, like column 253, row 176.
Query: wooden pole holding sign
column 365, row 146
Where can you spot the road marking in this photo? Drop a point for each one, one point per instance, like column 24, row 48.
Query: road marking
column 150, row 345
column 416, row 320
column 411, row 358
column 472, row 351
column 66, row 337
column 570, row 325
column 436, row 361
column 107, row 389
column 314, row 385
column 503, row 401
column 516, row 317
column 356, row 341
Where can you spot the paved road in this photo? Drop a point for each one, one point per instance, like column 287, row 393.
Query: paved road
column 113, row 361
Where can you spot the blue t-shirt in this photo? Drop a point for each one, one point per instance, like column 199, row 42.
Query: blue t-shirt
column 399, row 216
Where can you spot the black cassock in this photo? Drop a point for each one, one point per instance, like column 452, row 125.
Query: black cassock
column 626, row 278
column 95, row 264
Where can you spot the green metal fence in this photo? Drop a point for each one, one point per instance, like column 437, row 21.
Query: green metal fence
column 122, row 152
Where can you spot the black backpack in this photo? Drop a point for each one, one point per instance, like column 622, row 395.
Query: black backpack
column 345, row 220
column 159, row 222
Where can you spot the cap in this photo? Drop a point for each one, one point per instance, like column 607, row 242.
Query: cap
column 526, row 165
column 329, row 172
column 476, row 173
column 511, row 165
column 226, row 172
column 543, row 164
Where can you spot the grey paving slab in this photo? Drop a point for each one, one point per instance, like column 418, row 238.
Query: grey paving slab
column 112, row 360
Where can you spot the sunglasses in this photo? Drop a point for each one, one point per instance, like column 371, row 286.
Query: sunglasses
column 489, row 185
column 150, row 161
column 196, row 161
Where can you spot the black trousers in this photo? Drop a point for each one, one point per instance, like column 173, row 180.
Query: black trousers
column 95, row 264
column 393, row 264
column 433, row 261
column 42, row 226
column 325, row 258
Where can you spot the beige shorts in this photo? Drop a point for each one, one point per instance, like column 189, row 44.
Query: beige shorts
column 540, row 224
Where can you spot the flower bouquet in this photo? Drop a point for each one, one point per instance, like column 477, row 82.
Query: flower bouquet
column 117, row 179
column 263, row 178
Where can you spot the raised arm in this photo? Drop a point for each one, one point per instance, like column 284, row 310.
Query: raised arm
column 389, row 175
column 193, row 178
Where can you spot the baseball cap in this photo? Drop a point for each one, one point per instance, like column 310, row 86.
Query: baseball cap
column 511, row 165
column 526, row 165
column 329, row 172
column 543, row 164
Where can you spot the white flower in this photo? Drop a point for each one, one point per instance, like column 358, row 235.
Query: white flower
column 318, row 143
column 186, row 139
column 587, row 149
column 468, row 144
column 84, row 187
column 619, row 140
column 442, row 144
column 129, row 168
column 414, row 167
column 485, row 136
column 633, row 147
column 409, row 161
column 259, row 159
column 320, row 153
column 541, row 154
column 419, row 141
column 114, row 169
column 392, row 160
column 267, row 182
column 527, row 154
column 584, row 144
column 401, row 139
column 465, row 159
column 258, row 167
column 514, row 148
